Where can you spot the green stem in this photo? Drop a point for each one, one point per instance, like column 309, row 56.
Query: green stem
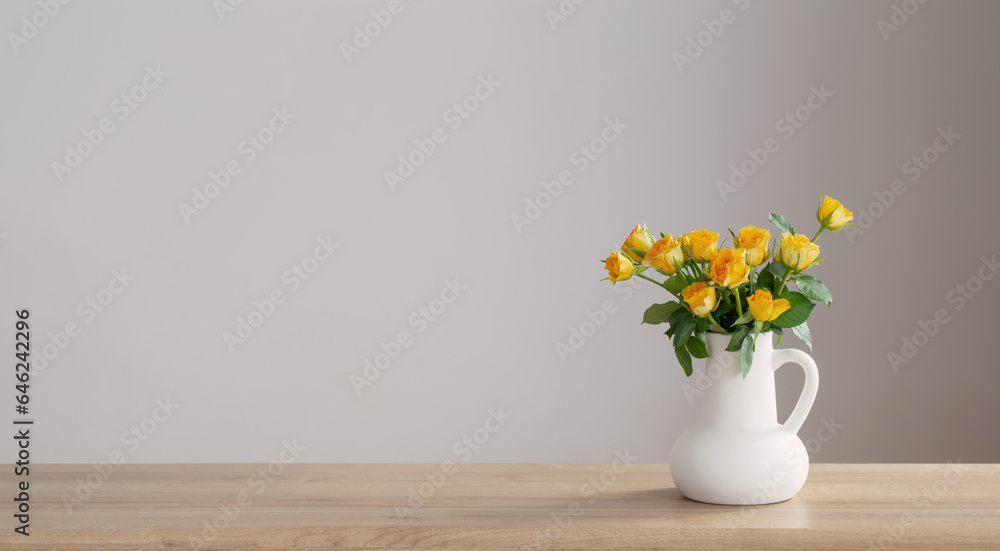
column 700, row 271
column 781, row 286
column 647, row 278
column 680, row 272
column 821, row 230
column 739, row 302
column 712, row 320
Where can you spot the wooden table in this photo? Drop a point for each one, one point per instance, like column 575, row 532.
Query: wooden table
column 499, row 506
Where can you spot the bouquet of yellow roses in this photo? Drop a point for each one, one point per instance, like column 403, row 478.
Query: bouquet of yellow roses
column 726, row 290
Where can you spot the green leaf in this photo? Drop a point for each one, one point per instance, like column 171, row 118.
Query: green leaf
column 802, row 331
column 701, row 325
column 783, row 225
column 747, row 316
column 771, row 273
column 660, row 313
column 765, row 280
column 777, row 269
column 683, row 331
column 678, row 316
column 780, row 338
column 716, row 329
column 696, row 346
column 746, row 356
column 675, row 284
column 737, row 341
column 684, row 358
column 641, row 253
column 800, row 309
column 723, row 309
column 813, row 288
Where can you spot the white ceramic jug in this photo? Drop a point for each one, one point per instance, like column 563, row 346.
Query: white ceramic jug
column 739, row 454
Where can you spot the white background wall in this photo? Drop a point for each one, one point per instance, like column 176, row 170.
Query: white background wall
column 525, row 291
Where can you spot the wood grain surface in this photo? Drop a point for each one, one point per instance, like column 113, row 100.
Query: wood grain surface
column 492, row 506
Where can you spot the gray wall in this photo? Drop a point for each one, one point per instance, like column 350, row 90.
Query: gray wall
column 524, row 289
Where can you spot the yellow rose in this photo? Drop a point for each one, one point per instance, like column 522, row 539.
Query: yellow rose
column 640, row 239
column 762, row 308
column 839, row 216
column 755, row 241
column 666, row 254
column 729, row 268
column 703, row 244
column 700, row 297
column 619, row 267
column 796, row 251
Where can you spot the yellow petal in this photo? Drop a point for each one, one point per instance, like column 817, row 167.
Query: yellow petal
column 778, row 307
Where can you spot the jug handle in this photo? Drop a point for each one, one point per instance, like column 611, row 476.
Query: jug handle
column 808, row 396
